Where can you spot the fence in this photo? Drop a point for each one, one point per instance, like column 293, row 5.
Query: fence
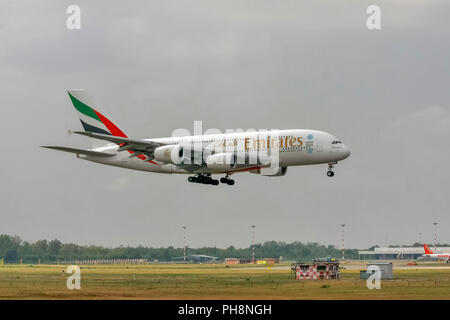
column 77, row 261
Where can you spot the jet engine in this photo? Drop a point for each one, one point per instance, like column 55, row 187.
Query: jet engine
column 169, row 154
column 221, row 161
column 273, row 172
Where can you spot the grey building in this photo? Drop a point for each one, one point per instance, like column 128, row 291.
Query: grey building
column 401, row 253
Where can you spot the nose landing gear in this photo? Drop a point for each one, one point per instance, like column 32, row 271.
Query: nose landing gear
column 203, row 179
column 330, row 171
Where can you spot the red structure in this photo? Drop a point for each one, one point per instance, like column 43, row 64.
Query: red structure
column 237, row 261
column 316, row 270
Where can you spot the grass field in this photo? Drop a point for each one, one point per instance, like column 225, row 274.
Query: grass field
column 214, row 281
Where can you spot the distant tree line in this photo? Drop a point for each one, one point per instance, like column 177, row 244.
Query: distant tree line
column 13, row 249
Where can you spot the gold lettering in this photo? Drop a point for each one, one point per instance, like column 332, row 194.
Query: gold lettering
column 291, row 141
column 300, row 142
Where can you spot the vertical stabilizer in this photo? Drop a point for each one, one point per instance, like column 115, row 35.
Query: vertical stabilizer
column 427, row 249
column 91, row 119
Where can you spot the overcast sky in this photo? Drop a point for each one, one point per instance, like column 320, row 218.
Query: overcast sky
column 155, row 66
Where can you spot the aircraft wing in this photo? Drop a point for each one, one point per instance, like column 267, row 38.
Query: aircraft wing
column 140, row 146
column 179, row 258
column 207, row 257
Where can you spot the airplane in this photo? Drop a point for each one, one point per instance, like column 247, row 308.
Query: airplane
column 198, row 258
column 267, row 153
column 437, row 256
column 326, row 259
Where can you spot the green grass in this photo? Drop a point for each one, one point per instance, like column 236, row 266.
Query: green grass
column 177, row 281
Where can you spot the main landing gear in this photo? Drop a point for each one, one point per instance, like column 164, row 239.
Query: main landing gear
column 330, row 171
column 204, row 179
column 227, row 180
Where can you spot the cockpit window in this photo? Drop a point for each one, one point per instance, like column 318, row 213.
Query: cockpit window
column 336, row 142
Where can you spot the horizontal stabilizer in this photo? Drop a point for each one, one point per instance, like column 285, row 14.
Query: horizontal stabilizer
column 125, row 143
column 81, row 151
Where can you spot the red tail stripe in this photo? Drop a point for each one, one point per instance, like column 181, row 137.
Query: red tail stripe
column 427, row 249
column 111, row 126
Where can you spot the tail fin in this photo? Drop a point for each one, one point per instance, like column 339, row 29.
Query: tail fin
column 91, row 119
column 427, row 249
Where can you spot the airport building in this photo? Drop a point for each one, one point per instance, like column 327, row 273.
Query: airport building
column 401, row 253
column 237, row 261
column 245, row 261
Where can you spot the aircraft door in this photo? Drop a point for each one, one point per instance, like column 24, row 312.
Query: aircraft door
column 319, row 146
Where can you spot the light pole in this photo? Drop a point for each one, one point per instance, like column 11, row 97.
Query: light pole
column 435, row 236
column 184, row 243
column 253, row 244
column 343, row 247
column 420, row 237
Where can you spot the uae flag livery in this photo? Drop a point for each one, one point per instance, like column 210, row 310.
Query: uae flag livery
column 91, row 119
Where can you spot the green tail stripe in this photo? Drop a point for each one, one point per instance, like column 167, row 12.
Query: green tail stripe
column 84, row 109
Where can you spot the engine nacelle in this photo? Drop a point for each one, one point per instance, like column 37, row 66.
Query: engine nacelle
column 221, row 161
column 169, row 154
column 273, row 172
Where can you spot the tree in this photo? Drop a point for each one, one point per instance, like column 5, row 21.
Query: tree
column 9, row 243
column 54, row 247
column 40, row 247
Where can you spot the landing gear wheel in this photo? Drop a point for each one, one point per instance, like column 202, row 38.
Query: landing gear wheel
column 330, row 172
column 227, row 180
column 230, row 182
column 196, row 179
column 207, row 180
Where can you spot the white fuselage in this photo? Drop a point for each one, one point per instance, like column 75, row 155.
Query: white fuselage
column 438, row 256
column 295, row 148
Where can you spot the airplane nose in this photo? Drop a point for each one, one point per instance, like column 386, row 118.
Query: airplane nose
column 346, row 152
